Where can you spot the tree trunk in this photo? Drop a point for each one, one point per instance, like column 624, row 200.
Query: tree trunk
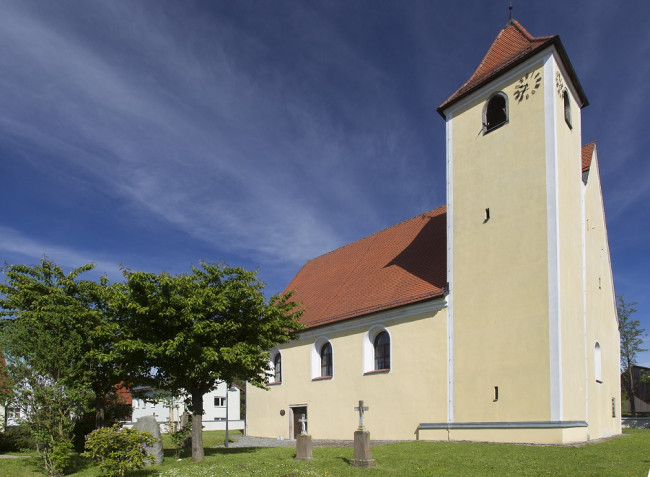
column 99, row 413
column 631, row 392
column 197, row 425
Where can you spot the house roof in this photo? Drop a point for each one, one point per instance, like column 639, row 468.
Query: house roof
column 587, row 155
column 403, row 264
column 512, row 46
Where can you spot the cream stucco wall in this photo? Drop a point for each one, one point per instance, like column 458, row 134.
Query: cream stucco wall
column 602, row 325
column 413, row 390
column 570, row 266
column 523, row 316
column 500, row 273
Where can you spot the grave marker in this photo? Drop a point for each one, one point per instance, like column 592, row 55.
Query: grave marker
column 362, row 454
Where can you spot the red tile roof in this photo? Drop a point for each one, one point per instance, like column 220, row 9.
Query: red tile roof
column 403, row 264
column 512, row 46
column 123, row 394
column 587, row 155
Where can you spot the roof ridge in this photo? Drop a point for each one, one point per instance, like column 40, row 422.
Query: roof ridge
column 527, row 34
column 438, row 209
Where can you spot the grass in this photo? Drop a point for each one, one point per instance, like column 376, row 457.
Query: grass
column 624, row 456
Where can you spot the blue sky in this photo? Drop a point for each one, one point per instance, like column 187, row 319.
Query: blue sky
column 155, row 134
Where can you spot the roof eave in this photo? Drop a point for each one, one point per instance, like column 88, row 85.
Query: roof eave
column 554, row 41
column 370, row 311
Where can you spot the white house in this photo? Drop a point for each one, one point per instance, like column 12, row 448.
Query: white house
column 218, row 405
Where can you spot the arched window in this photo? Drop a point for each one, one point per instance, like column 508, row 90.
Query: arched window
column 277, row 368
column 382, row 351
column 377, row 344
column 326, row 360
column 598, row 364
column 495, row 112
column 567, row 108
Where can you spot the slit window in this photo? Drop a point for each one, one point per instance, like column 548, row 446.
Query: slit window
column 495, row 113
column 598, row 365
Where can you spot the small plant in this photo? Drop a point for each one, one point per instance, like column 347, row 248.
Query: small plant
column 118, row 449
column 180, row 438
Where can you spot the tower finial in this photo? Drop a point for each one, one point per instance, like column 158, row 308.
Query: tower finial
column 510, row 8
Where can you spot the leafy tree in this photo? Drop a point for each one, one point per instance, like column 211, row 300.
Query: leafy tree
column 58, row 333
column 105, row 367
column 631, row 344
column 196, row 330
column 42, row 335
column 64, row 328
column 50, row 410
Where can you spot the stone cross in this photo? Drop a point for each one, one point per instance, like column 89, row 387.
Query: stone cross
column 303, row 421
column 361, row 408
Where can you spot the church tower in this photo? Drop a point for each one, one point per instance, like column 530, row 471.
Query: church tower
column 518, row 352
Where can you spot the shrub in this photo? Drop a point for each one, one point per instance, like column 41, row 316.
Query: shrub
column 16, row 439
column 118, row 449
column 182, row 438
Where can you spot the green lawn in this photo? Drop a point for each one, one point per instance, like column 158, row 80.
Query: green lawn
column 628, row 455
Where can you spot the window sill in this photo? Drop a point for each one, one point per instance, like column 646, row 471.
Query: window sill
column 321, row 378
column 275, row 383
column 487, row 131
column 377, row 371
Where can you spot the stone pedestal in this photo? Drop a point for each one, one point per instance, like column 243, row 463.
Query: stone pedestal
column 303, row 447
column 362, row 454
column 150, row 425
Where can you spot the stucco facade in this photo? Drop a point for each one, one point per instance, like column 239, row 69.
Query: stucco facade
column 522, row 346
column 418, row 340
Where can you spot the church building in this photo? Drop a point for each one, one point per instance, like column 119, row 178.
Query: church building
column 492, row 318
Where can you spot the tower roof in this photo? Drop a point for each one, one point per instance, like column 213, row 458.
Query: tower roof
column 512, row 46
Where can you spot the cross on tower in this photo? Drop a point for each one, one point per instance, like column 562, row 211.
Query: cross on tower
column 303, row 421
column 361, row 408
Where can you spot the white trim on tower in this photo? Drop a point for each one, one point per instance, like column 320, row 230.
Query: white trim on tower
column 450, row 272
column 552, row 208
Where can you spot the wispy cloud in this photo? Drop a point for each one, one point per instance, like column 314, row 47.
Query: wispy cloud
column 236, row 151
column 15, row 244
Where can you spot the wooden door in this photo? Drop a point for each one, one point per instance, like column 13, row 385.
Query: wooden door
column 298, row 413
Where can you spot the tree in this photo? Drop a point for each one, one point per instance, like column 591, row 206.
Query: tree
column 42, row 334
column 193, row 331
column 6, row 390
column 106, row 368
column 631, row 344
column 50, row 410
column 58, row 333
column 39, row 300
